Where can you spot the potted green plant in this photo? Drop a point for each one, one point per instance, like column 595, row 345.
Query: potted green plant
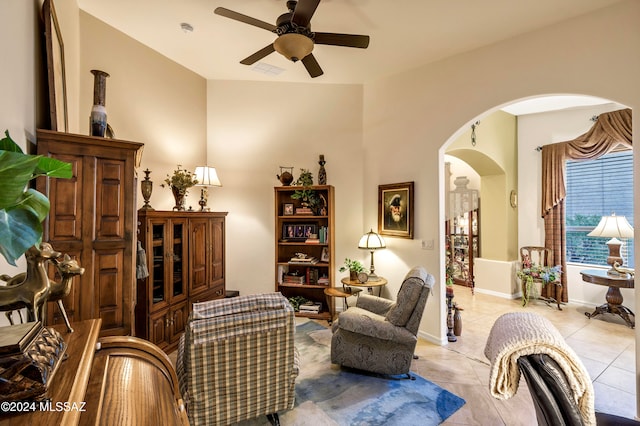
column 23, row 209
column 353, row 266
column 308, row 196
column 180, row 182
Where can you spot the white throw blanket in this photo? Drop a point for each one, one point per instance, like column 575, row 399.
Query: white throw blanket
column 519, row 334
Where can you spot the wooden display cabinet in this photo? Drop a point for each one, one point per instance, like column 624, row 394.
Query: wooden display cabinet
column 463, row 246
column 292, row 230
column 185, row 258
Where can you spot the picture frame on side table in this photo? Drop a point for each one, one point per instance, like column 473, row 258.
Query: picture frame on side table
column 55, row 69
column 395, row 210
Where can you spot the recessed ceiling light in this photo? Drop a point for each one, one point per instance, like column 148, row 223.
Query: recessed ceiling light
column 187, row 28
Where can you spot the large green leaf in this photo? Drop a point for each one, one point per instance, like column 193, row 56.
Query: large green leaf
column 19, row 230
column 16, row 170
column 23, row 209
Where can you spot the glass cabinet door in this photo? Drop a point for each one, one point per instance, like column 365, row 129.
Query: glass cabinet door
column 178, row 257
column 159, row 263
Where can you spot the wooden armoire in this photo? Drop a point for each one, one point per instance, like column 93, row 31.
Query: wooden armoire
column 93, row 218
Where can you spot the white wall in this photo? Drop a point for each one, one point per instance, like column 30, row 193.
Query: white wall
column 430, row 106
column 18, row 88
column 256, row 127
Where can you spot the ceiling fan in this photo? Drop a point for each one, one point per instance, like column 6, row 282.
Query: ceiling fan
column 295, row 39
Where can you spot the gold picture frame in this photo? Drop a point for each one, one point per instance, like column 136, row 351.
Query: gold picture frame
column 55, row 69
column 395, row 210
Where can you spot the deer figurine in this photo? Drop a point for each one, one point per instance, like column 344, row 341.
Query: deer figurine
column 30, row 289
column 67, row 268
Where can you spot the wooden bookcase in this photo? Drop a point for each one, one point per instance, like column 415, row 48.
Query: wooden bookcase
column 308, row 280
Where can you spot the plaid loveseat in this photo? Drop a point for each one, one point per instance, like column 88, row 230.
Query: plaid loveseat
column 237, row 360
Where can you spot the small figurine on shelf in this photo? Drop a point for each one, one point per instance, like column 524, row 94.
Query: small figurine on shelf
column 322, row 173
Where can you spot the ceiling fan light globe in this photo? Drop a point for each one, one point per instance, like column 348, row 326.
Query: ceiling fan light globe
column 293, row 46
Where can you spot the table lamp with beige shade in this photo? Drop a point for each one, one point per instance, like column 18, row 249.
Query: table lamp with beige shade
column 206, row 176
column 613, row 227
column 372, row 241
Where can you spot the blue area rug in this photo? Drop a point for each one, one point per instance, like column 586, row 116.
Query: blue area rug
column 329, row 395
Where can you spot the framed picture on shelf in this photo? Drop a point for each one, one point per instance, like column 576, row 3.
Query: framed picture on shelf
column 287, row 209
column 395, row 210
column 324, row 257
column 298, row 231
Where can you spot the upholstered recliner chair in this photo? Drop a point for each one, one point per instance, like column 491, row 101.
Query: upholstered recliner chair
column 237, row 360
column 380, row 335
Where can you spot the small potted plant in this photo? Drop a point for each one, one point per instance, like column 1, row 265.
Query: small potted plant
column 308, row 197
column 180, row 182
column 353, row 266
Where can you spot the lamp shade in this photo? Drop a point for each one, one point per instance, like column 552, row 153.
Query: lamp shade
column 612, row 227
column 371, row 241
column 207, row 176
column 293, row 46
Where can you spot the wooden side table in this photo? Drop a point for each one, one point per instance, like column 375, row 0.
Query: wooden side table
column 379, row 283
column 614, row 296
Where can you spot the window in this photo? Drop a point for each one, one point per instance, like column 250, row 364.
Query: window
column 596, row 188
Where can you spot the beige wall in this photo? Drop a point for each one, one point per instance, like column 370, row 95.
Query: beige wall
column 256, row 127
column 494, row 158
column 149, row 99
column 430, row 105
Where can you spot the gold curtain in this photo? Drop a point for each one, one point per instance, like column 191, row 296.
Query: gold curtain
column 611, row 130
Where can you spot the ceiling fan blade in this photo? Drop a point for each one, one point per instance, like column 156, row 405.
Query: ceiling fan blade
column 250, row 60
column 244, row 18
column 347, row 40
column 312, row 66
column 304, row 11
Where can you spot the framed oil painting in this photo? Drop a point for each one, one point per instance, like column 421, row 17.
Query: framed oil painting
column 55, row 69
column 395, row 210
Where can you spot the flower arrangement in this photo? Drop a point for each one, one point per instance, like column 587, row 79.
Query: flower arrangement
column 530, row 272
column 181, row 180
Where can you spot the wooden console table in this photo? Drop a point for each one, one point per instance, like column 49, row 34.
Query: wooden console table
column 118, row 380
column 614, row 296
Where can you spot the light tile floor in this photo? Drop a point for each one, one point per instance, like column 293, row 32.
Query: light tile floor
column 605, row 344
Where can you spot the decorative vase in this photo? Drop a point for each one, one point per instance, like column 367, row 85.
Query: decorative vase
column 179, row 197
column 147, row 187
column 457, row 321
column 98, row 119
column 322, row 173
column 285, row 176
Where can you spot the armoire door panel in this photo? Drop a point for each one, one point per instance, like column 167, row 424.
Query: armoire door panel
column 66, row 212
column 109, row 282
column 109, row 199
